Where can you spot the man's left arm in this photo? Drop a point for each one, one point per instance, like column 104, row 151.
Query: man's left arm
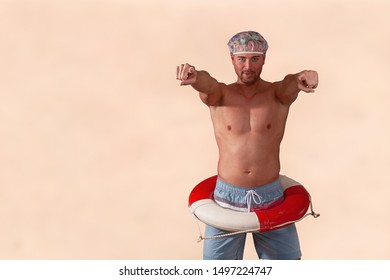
column 287, row 90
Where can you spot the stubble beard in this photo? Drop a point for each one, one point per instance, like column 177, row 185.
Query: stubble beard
column 248, row 80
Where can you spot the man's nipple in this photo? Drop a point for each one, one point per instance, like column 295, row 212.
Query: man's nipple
column 229, row 127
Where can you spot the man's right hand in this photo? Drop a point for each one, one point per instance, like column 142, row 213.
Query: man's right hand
column 186, row 74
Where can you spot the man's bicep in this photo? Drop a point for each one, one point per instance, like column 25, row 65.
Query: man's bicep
column 214, row 96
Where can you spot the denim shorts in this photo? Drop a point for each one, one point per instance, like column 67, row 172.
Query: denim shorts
column 279, row 244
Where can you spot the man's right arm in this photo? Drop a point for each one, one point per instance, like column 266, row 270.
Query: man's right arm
column 210, row 90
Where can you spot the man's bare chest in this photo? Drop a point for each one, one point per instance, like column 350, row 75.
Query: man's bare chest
column 242, row 118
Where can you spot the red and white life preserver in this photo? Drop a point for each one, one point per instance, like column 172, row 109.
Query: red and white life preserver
column 293, row 208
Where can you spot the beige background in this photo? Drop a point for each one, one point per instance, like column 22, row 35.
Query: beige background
column 100, row 146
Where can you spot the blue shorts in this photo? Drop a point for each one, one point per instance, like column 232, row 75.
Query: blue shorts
column 279, row 244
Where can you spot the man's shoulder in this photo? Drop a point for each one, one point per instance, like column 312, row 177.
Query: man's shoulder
column 268, row 85
column 234, row 84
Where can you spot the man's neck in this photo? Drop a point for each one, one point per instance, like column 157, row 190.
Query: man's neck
column 249, row 89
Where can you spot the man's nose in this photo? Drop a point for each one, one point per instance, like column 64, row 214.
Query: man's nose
column 248, row 64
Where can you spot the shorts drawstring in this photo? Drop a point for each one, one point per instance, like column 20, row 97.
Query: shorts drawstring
column 250, row 196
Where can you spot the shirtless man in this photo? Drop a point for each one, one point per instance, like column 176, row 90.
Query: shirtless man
column 249, row 118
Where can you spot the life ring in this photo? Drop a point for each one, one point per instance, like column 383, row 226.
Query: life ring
column 293, row 208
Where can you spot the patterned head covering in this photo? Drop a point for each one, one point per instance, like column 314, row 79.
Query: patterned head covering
column 248, row 42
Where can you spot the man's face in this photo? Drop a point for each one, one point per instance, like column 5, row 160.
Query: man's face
column 248, row 67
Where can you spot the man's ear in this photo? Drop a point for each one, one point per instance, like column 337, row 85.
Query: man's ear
column 232, row 57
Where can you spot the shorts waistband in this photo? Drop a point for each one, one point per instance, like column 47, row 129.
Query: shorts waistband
column 239, row 189
column 248, row 199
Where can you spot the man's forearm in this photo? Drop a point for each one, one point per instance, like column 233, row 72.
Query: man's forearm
column 288, row 89
column 205, row 83
column 292, row 84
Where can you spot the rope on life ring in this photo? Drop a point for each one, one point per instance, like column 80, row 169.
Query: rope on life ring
column 293, row 209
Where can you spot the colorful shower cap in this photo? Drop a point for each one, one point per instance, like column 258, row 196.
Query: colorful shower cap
column 248, row 42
